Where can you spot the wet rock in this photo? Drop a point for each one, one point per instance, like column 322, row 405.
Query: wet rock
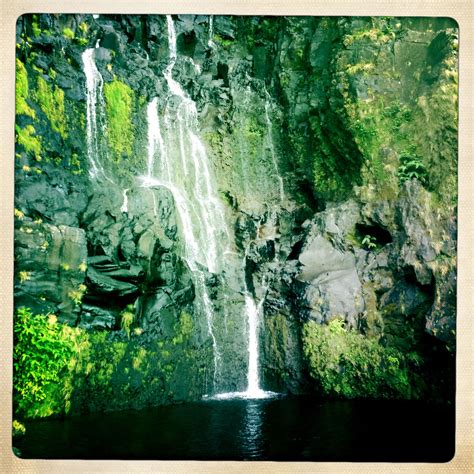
column 57, row 198
column 105, row 284
column 93, row 317
column 333, row 288
column 49, row 268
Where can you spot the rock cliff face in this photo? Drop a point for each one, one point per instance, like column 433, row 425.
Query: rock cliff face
column 320, row 182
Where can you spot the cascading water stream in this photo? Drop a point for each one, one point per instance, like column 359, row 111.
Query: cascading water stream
column 254, row 314
column 155, row 141
column 272, row 147
column 177, row 161
column 210, row 41
column 124, row 207
column 95, row 115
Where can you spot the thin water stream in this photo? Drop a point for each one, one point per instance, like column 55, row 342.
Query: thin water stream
column 95, row 116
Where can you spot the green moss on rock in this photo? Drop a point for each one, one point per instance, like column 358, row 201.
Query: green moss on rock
column 119, row 104
column 21, row 91
column 51, row 102
column 28, row 139
column 348, row 364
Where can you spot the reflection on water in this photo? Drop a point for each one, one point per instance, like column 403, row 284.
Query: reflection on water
column 278, row 428
column 251, row 432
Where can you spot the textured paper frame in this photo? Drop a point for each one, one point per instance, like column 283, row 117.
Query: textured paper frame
column 461, row 10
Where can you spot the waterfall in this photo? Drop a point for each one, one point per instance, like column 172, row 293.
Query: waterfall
column 155, row 140
column 272, row 147
column 124, row 207
column 210, row 41
column 95, row 115
column 254, row 313
column 177, row 160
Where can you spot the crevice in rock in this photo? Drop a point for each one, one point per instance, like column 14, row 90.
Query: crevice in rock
column 376, row 233
column 186, row 43
column 223, row 73
column 296, row 250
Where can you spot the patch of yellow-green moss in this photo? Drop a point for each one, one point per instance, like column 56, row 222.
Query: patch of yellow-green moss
column 28, row 139
column 51, row 102
column 347, row 364
column 183, row 328
column 21, row 91
column 68, row 33
column 119, row 105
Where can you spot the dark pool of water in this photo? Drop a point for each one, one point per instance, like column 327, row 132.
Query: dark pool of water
column 288, row 428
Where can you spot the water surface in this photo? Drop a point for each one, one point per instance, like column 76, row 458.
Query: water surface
column 285, row 428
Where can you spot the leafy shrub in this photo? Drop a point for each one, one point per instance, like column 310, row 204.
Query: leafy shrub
column 127, row 318
column 76, row 295
column 82, row 41
column 225, row 42
column 41, row 357
column 83, row 27
column 18, row 428
column 369, row 242
column 36, row 29
column 411, row 167
column 348, row 364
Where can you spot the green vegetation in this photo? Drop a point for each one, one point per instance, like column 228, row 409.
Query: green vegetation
column 24, row 276
column 21, row 91
column 26, row 137
column 77, row 294
column 183, row 328
column 51, row 103
column 68, row 33
column 127, row 317
column 18, row 428
column 54, row 364
column 348, row 364
column 336, row 160
column 83, row 27
column 35, row 27
column 76, row 164
column 119, row 103
column 369, row 242
column 412, row 167
column 224, row 42
column 252, row 134
column 41, row 357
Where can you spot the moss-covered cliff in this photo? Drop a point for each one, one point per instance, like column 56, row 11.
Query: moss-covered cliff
column 332, row 143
